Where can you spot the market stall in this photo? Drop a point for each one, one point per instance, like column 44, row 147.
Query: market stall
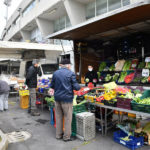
column 117, row 46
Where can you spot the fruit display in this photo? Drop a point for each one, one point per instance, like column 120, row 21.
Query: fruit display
column 102, row 66
column 141, row 65
column 127, row 65
column 122, row 77
column 115, row 77
column 111, row 94
column 108, row 78
column 122, row 90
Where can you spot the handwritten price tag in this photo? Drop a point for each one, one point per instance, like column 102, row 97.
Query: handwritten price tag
column 147, row 59
column 145, row 73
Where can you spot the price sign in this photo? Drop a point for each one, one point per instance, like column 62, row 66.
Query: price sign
column 147, row 59
column 145, row 73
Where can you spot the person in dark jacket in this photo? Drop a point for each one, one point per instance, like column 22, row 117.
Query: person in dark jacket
column 63, row 83
column 91, row 76
column 31, row 81
column 4, row 93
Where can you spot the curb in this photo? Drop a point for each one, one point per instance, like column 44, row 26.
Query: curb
column 3, row 142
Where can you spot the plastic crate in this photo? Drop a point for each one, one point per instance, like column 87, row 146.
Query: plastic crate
column 79, row 108
column 140, row 107
column 145, row 94
column 85, row 126
column 76, row 109
column 124, row 103
column 110, row 103
column 24, row 92
column 24, row 102
column 134, row 143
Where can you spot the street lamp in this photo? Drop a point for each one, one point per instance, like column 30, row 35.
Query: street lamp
column 7, row 3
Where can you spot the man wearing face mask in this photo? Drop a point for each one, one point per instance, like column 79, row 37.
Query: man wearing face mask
column 31, row 81
column 91, row 76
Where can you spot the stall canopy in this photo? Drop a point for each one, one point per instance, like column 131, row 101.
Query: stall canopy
column 15, row 49
column 120, row 22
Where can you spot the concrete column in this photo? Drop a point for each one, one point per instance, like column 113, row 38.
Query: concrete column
column 26, row 35
column 76, row 11
column 45, row 26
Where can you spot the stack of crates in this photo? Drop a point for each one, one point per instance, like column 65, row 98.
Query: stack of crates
column 76, row 109
column 85, row 126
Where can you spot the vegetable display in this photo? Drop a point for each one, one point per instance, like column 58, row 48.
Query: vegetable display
column 50, row 99
column 143, row 101
column 122, row 77
column 115, row 77
column 137, row 79
column 127, row 65
column 144, row 79
column 147, row 65
column 129, row 78
column 98, row 74
column 102, row 66
column 141, row 65
column 108, row 78
column 112, row 67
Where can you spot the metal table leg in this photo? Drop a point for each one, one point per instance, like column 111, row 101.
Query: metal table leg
column 119, row 116
column 101, row 115
column 105, row 121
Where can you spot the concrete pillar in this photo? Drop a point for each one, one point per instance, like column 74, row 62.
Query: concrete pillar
column 26, row 35
column 45, row 26
column 76, row 11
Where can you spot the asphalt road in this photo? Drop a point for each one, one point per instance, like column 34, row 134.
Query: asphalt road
column 43, row 134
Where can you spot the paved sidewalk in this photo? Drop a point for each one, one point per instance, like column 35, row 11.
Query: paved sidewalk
column 43, row 134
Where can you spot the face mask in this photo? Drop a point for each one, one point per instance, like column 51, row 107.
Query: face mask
column 59, row 67
column 90, row 69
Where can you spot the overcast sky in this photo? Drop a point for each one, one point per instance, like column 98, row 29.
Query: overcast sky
column 11, row 9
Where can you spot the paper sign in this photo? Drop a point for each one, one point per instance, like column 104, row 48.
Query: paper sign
column 147, row 59
column 145, row 73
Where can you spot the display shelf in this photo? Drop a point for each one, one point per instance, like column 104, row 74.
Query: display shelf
column 122, row 110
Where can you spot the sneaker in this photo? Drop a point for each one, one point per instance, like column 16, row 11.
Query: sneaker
column 5, row 109
column 1, row 110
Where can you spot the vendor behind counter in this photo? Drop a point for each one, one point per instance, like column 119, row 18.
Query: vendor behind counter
column 91, row 76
